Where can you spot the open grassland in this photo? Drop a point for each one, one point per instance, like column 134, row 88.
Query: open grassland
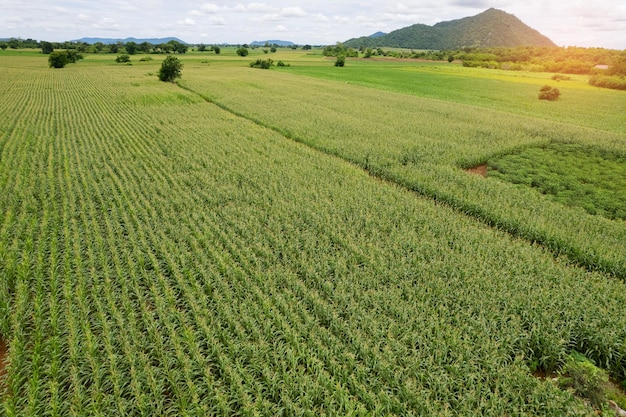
column 160, row 255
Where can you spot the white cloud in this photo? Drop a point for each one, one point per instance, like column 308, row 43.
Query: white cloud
column 292, row 12
column 187, row 22
column 577, row 22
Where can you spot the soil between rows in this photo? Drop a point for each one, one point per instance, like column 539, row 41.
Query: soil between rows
column 478, row 170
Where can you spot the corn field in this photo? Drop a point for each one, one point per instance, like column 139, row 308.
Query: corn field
column 162, row 255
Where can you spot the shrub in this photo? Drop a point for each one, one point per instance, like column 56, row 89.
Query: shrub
column 170, row 69
column 242, row 51
column 340, row 61
column 145, row 59
column 549, row 93
column 262, row 63
column 605, row 81
column 58, row 59
column 559, row 77
column 282, row 64
column 121, row 59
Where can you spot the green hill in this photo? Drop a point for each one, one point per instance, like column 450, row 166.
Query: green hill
column 491, row 28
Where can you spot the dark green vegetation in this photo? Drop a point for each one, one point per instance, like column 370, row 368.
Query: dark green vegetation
column 574, row 175
column 176, row 251
column 123, row 59
column 59, row 59
column 588, row 381
column 549, row 93
column 262, row 63
column 171, row 69
column 491, row 28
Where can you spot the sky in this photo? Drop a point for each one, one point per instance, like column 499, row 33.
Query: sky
column 316, row 22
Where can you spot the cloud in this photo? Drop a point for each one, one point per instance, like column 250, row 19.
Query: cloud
column 577, row 22
column 187, row 22
column 292, row 12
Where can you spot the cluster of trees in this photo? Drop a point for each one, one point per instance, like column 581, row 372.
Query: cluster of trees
column 205, row 48
column 15, row 43
column 130, row 48
column 340, row 50
column 570, row 60
column 59, row 59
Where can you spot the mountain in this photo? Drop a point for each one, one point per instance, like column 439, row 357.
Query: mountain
column 377, row 34
column 272, row 42
column 491, row 28
column 153, row 41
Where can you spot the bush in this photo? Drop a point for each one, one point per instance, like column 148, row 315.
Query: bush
column 170, row 69
column 58, row 59
column 549, row 93
column 145, row 59
column 605, row 81
column 282, row 64
column 242, row 51
column 559, row 77
column 121, row 59
column 262, row 63
column 341, row 61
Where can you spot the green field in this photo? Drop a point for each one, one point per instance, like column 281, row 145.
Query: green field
column 302, row 241
column 572, row 174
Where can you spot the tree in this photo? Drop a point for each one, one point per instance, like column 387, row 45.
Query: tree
column 58, row 59
column 341, row 61
column 216, row 49
column 46, row 47
column 131, row 48
column 242, row 51
column 170, row 69
column 73, row 56
column 4, row 45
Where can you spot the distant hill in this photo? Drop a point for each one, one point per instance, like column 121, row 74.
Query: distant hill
column 107, row 41
column 491, row 28
column 377, row 34
column 272, row 42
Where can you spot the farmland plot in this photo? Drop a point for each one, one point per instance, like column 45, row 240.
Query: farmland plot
column 162, row 256
column 423, row 144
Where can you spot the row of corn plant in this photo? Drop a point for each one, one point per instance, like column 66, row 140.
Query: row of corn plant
column 176, row 259
column 423, row 144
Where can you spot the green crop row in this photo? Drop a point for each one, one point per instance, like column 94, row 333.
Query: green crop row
column 423, row 144
column 178, row 259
